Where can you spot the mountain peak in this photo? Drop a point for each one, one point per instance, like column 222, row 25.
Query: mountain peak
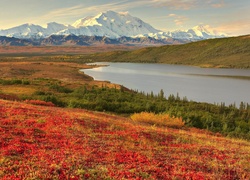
column 99, row 19
column 109, row 12
column 202, row 28
column 113, row 13
column 114, row 24
column 206, row 31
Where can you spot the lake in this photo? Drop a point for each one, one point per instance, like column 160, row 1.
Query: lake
column 197, row 84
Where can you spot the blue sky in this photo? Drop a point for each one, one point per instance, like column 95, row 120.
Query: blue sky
column 229, row 16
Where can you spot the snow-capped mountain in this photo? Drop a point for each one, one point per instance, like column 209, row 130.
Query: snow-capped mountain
column 24, row 31
column 108, row 24
column 196, row 33
column 54, row 27
column 202, row 32
column 32, row 31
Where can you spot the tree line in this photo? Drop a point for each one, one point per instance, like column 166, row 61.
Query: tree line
column 228, row 120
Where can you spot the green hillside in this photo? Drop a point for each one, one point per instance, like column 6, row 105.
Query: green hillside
column 225, row 52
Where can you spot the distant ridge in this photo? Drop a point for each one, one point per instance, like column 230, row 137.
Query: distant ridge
column 73, row 40
column 11, row 41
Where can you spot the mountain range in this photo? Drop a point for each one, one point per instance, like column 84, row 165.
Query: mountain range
column 109, row 26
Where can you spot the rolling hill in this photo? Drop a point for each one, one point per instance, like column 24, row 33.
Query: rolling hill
column 45, row 142
column 233, row 52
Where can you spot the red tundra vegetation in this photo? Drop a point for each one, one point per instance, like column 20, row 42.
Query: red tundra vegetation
column 45, row 142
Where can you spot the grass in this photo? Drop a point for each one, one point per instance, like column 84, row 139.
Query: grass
column 22, row 51
column 18, row 90
column 55, row 143
column 39, row 74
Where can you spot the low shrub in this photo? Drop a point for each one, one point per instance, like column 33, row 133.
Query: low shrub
column 60, row 88
column 158, row 119
column 14, row 81
column 9, row 97
column 39, row 102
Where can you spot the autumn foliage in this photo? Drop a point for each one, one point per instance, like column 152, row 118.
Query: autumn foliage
column 42, row 142
column 158, row 119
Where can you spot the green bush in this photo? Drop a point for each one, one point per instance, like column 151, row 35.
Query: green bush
column 54, row 100
column 60, row 89
column 14, row 81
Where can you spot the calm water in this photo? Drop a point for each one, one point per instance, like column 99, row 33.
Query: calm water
column 197, row 84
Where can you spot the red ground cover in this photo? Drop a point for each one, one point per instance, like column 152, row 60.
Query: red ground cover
column 40, row 142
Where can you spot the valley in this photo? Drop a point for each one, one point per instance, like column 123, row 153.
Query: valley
column 57, row 79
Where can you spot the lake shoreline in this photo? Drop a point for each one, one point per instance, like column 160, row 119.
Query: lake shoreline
column 172, row 78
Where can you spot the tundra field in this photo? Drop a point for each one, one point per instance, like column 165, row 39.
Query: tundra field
column 46, row 142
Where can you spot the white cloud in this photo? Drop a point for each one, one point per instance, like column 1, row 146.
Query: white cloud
column 176, row 4
column 84, row 10
column 172, row 15
column 188, row 4
column 78, row 10
column 178, row 20
column 236, row 28
column 216, row 4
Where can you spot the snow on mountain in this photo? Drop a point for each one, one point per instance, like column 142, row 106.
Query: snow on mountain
column 112, row 25
column 201, row 32
column 32, row 31
column 23, row 31
column 54, row 27
column 89, row 31
column 80, row 22
column 196, row 33
column 183, row 35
